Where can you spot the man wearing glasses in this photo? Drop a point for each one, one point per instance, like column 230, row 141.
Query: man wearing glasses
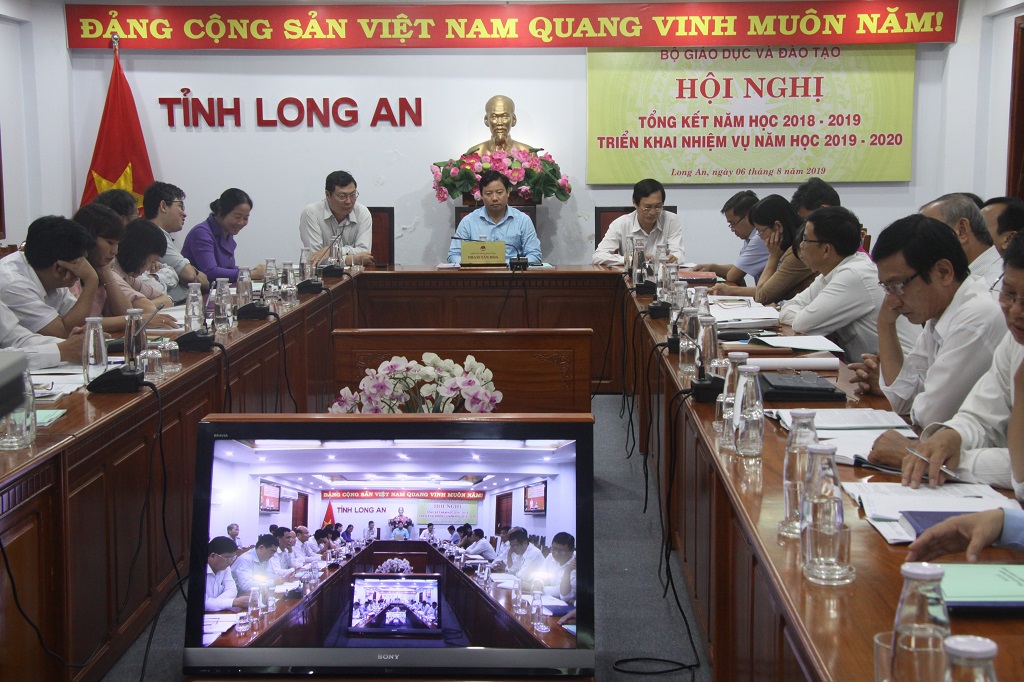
column 844, row 300
column 924, row 273
column 221, row 591
column 753, row 254
column 978, row 443
column 338, row 218
column 650, row 221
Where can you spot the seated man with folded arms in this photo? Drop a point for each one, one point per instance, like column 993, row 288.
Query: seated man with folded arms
column 970, row 533
column 164, row 205
column 524, row 559
column 1004, row 217
column 501, row 551
column 221, row 591
column 369, row 533
column 649, row 221
column 974, row 442
column 142, row 246
column 34, row 282
column 753, row 254
column 961, row 213
column 481, row 545
column 337, row 217
column 924, row 273
column 497, row 221
column 41, row 351
column 285, row 560
column 844, row 300
column 252, row 569
column 558, row 575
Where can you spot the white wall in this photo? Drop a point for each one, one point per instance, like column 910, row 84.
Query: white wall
column 961, row 123
column 561, row 514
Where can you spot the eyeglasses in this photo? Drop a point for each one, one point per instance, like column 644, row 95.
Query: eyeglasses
column 896, row 288
column 734, row 223
column 1006, row 299
column 179, row 202
column 345, row 196
column 652, row 209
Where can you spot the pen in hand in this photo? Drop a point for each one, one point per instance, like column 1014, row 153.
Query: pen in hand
column 944, row 469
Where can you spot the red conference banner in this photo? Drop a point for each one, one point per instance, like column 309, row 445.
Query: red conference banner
column 402, row 494
column 669, row 25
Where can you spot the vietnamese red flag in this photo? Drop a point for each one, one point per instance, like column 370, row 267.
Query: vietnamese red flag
column 120, row 160
column 329, row 516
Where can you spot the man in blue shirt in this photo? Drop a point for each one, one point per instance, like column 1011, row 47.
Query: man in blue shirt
column 970, row 533
column 497, row 221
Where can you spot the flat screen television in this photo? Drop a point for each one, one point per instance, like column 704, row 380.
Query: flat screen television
column 535, row 498
column 414, row 466
column 270, row 497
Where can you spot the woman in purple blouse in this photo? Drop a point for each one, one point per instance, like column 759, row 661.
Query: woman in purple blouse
column 210, row 245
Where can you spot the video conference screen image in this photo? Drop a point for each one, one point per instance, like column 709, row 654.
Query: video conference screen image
column 410, row 543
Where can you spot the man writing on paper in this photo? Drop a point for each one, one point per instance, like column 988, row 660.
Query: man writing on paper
column 496, row 221
column 843, row 302
column 924, row 273
column 337, row 217
column 649, row 221
column 753, row 254
column 974, row 441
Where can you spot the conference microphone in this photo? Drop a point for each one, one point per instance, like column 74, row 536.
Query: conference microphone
column 520, row 262
column 470, row 239
column 334, row 269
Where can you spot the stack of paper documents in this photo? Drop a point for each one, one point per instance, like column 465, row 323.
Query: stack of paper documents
column 884, row 502
column 847, row 419
column 216, row 624
column 742, row 312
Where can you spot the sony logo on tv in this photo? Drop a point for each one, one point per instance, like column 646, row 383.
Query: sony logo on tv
column 387, row 657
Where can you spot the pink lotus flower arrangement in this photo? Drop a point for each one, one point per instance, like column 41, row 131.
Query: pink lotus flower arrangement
column 532, row 176
column 436, row 386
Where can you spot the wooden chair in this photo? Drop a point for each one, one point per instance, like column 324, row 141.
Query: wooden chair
column 383, row 218
column 604, row 215
column 536, row 370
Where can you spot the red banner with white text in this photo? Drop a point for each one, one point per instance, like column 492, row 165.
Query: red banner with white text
column 668, row 25
column 402, row 494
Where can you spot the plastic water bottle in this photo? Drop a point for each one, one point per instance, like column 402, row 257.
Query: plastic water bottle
column 223, row 311
column 748, row 413
column 306, row 263
column 271, row 283
column 824, row 538
column 970, row 658
column 194, row 315
column 134, row 339
column 794, row 470
column 723, row 419
column 921, row 625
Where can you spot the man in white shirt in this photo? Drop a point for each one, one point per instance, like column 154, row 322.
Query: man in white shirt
column 844, row 300
column 285, row 560
column 481, row 546
column 305, row 546
column 233, row 532
column 252, row 569
column 369, row 533
column 41, row 351
column 924, row 272
column 558, row 575
column 221, row 591
column 973, row 443
column 501, row 551
column 338, row 217
column 428, row 534
column 34, row 282
column 649, row 221
column 523, row 559
column 164, row 205
column 963, row 216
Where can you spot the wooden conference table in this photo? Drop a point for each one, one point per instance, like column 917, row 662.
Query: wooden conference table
column 760, row 618
column 485, row 614
column 70, row 506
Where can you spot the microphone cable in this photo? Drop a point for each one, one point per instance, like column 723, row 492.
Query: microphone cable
column 283, row 360
column 227, row 405
column 163, row 471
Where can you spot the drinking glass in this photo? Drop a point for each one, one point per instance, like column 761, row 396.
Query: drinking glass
column 152, row 364
column 537, row 611
column 883, row 656
column 18, row 428
column 242, row 625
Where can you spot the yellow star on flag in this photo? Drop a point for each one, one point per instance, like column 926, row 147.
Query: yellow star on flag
column 124, row 182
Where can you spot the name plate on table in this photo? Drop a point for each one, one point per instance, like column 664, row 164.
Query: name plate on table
column 483, row 254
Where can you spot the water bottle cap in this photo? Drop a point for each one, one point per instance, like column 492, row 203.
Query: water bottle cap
column 801, row 413
column 134, row 311
column 94, row 320
column 922, row 570
column 970, row 646
column 738, row 355
column 821, row 449
column 706, row 319
column 687, row 311
column 749, row 369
